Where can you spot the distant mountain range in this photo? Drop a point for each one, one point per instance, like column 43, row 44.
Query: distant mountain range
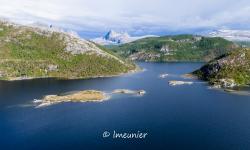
column 116, row 38
column 232, row 35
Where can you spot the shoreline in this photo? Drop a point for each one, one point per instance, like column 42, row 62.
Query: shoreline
column 12, row 79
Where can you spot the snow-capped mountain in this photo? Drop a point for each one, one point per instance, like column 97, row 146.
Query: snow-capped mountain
column 115, row 38
column 232, row 35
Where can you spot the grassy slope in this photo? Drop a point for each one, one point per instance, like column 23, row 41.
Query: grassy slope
column 30, row 54
column 192, row 49
column 234, row 65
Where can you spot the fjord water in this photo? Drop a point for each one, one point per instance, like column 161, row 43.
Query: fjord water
column 181, row 117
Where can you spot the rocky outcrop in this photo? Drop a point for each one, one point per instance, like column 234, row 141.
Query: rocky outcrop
column 52, row 68
column 165, row 75
column 145, row 56
column 166, row 50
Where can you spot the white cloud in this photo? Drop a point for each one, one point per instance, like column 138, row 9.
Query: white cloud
column 131, row 15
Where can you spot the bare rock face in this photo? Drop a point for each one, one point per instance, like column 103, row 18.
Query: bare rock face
column 144, row 56
column 52, row 68
column 166, row 50
column 75, row 46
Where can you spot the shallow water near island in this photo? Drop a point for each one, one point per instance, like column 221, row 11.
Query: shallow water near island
column 179, row 117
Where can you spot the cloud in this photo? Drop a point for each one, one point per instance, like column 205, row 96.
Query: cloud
column 135, row 16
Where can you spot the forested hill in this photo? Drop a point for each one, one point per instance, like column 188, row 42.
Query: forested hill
column 175, row 48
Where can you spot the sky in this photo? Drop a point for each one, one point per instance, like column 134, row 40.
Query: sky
column 138, row 17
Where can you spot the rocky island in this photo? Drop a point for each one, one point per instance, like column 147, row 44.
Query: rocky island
column 229, row 70
column 127, row 91
column 175, row 83
column 28, row 52
column 81, row 96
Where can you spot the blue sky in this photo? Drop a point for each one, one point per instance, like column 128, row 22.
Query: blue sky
column 138, row 17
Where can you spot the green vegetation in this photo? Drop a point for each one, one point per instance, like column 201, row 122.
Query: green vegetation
column 234, row 66
column 174, row 48
column 26, row 53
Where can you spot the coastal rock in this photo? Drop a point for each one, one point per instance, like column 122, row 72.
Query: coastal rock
column 175, row 83
column 163, row 75
column 189, row 76
column 126, row 91
column 227, row 83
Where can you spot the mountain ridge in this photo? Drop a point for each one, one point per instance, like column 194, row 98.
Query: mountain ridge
column 117, row 38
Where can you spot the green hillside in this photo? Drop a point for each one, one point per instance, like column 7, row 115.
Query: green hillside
column 175, row 48
column 232, row 69
column 27, row 52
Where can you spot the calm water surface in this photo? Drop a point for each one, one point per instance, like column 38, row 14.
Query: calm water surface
column 182, row 117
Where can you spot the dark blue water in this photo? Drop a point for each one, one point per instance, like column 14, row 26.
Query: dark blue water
column 182, row 117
